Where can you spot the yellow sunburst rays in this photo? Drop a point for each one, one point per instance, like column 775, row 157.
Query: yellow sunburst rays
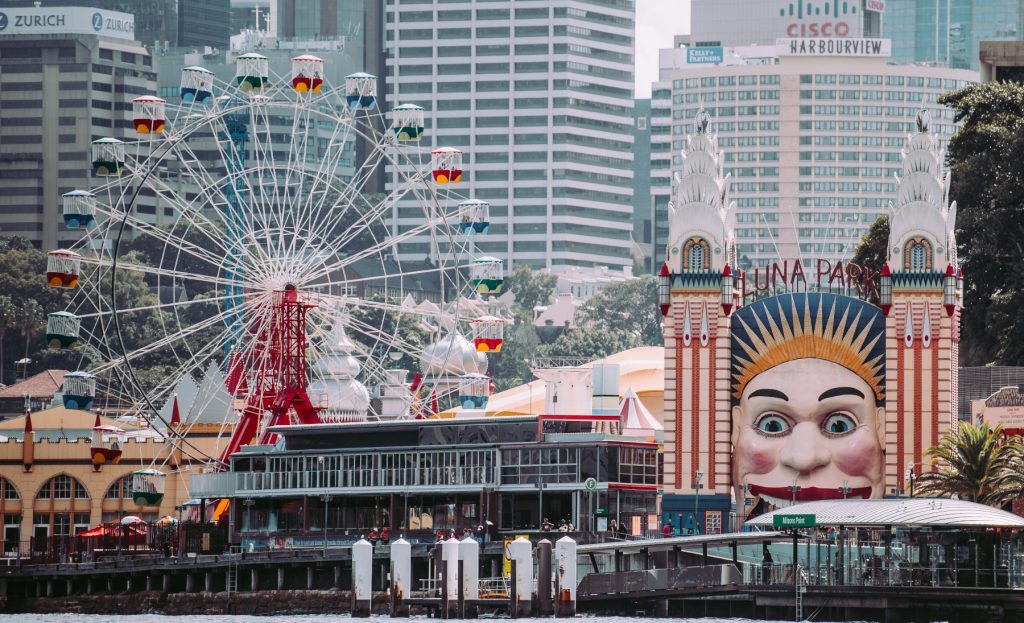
column 778, row 339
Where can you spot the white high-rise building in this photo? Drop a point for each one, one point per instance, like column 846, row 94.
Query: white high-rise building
column 811, row 141
column 539, row 96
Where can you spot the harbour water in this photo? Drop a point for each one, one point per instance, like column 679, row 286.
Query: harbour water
column 288, row 618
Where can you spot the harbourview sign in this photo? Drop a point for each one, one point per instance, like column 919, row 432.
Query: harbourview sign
column 834, row 47
column 67, row 20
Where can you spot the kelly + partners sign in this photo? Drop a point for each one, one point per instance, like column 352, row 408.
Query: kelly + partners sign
column 704, row 56
column 794, row 521
column 46, row 20
column 834, row 47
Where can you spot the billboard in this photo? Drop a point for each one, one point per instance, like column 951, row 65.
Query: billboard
column 67, row 20
column 826, row 46
column 878, row 6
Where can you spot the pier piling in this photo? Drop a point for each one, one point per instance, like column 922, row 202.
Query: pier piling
column 469, row 576
column 544, row 606
column 565, row 561
column 362, row 577
column 401, row 577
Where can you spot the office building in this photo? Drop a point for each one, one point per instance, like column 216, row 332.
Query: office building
column 949, row 32
column 63, row 83
column 539, row 96
column 730, row 23
column 1002, row 61
column 810, row 142
column 190, row 23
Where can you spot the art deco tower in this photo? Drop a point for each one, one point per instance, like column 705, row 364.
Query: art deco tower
column 921, row 295
column 696, row 297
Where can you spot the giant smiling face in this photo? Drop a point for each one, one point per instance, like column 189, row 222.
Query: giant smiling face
column 812, row 423
column 808, row 372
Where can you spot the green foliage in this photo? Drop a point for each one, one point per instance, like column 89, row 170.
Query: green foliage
column 511, row 367
column 591, row 344
column 873, row 249
column 530, row 289
column 977, row 464
column 373, row 328
column 626, row 308
column 987, row 158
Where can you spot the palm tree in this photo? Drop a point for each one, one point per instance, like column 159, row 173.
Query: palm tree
column 978, row 464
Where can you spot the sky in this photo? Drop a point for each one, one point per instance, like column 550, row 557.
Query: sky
column 657, row 21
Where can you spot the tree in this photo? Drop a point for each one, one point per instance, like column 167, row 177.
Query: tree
column 8, row 316
column 591, row 344
column 873, row 249
column 987, row 160
column 626, row 307
column 530, row 289
column 976, row 465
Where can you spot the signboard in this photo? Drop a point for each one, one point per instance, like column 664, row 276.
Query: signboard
column 794, row 521
column 786, row 276
column 704, row 56
column 825, row 46
column 67, row 20
column 590, row 484
column 875, row 5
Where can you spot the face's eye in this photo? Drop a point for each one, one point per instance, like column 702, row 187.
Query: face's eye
column 772, row 424
column 839, row 424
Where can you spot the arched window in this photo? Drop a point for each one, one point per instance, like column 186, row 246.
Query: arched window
column 8, row 491
column 917, row 255
column 120, row 489
column 62, row 487
column 696, row 255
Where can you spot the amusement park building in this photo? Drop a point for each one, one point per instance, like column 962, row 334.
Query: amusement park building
column 810, row 142
column 49, row 486
column 538, row 94
column 62, row 85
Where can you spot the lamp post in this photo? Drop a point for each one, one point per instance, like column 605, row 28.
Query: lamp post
column 844, row 488
column 794, row 489
column 910, row 479
column 696, row 501
column 744, row 488
column 326, row 499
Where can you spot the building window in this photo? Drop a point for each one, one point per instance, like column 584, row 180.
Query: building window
column 696, row 254
column 917, row 256
column 61, row 488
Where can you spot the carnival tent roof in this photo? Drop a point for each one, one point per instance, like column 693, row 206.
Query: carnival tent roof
column 637, row 421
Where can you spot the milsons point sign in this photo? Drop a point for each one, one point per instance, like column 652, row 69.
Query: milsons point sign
column 821, row 275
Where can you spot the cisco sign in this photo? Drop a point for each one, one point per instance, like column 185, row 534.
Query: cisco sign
column 69, row 20
column 821, row 18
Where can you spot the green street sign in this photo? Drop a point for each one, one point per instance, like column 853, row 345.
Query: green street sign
column 601, row 512
column 794, row 521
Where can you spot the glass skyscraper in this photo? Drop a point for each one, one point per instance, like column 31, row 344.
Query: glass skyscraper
column 947, row 32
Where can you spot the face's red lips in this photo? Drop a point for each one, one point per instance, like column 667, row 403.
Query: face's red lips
column 810, row 494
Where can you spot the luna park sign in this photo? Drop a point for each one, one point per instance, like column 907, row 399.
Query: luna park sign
column 823, row 275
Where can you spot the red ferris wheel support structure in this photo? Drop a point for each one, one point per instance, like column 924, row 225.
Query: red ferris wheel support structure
column 275, row 385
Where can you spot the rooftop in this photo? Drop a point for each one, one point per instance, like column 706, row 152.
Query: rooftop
column 42, row 385
column 902, row 512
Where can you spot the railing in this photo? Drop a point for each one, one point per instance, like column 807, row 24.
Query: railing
column 128, row 541
column 862, row 574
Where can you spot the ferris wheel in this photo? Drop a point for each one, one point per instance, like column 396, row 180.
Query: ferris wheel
column 236, row 230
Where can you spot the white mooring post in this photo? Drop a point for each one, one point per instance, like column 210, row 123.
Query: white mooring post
column 362, row 578
column 450, row 560
column 401, row 577
column 469, row 557
column 520, row 552
column 565, row 560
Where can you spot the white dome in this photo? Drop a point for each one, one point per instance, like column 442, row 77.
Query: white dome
column 452, row 355
column 342, row 397
column 343, row 400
